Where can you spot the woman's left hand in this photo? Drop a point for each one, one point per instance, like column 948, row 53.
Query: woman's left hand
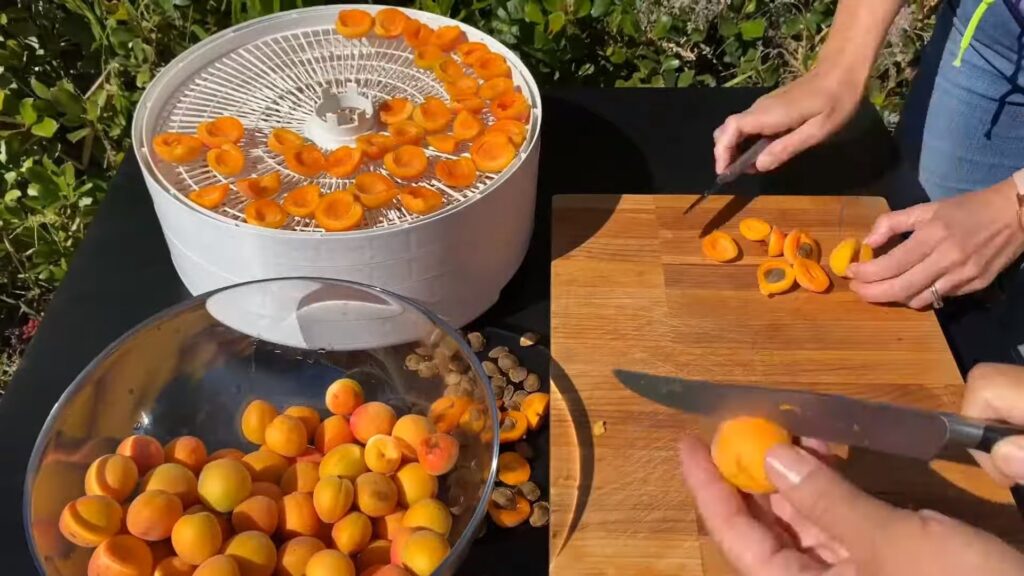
column 958, row 245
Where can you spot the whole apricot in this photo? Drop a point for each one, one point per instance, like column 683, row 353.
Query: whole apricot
column 332, row 498
column 738, row 450
column 371, row 419
column 266, row 466
column 352, row 533
column 151, row 516
column 333, row 431
column 111, row 475
column 89, row 520
column 344, row 396
column 294, row 555
column 286, row 435
column 174, row 479
column 398, row 542
column 423, row 551
column 256, row 513
column 223, row 520
column 414, row 483
column 254, row 553
column 121, row 555
column 300, row 477
column 384, row 570
column 385, row 527
column 330, row 563
column 376, row 494
column 224, row 484
column 268, row 489
column 219, row 565
column 309, row 417
column 429, row 513
column 255, row 418
column 296, row 516
column 145, row 451
column 188, row 451
column 345, row 461
column 196, row 537
column 227, row 453
column 376, row 552
column 438, row 453
column 173, row 566
column 383, row 454
column 410, row 430
column 311, row 455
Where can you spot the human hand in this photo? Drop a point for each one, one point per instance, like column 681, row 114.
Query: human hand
column 811, row 108
column 959, row 245
column 996, row 392
column 820, row 524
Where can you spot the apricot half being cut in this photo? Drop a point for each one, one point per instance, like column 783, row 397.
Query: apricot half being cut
column 375, row 190
column 448, row 70
column 776, row 241
column 353, row 23
column 283, row 140
column 406, row 162
column 260, row 187
column 210, row 197
column 739, row 448
column 847, row 252
column 265, row 213
column 406, row 132
column 755, row 229
column 427, row 56
column 466, row 126
column 496, row 87
column 774, row 277
column 302, row 201
column 389, row 22
column 306, row 161
column 395, row 110
column 443, row 142
column 800, row 245
column 343, row 161
column 177, row 148
column 416, row 33
column 420, row 199
column 433, row 114
column 375, row 146
column 514, row 129
column 810, row 275
column 492, row 152
column 457, row 172
column 338, row 211
column 491, row 66
column 719, row 246
column 222, row 130
column 511, row 106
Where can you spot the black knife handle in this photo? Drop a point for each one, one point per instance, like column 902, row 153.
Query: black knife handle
column 993, row 433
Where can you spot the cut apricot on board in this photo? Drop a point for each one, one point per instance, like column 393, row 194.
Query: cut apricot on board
column 389, row 22
column 283, row 140
column 492, row 152
column 353, row 23
column 443, row 142
column 774, row 277
column 513, row 469
column 177, row 148
column 513, row 426
column 463, row 87
column 302, row 201
column 375, row 146
column 306, row 161
column 468, row 49
column 776, row 242
column 406, row 162
column 265, row 213
column 719, row 247
column 810, row 275
column 447, row 37
column 738, row 450
column 226, row 159
column 848, row 251
column 210, row 197
column 496, row 87
column 221, row 130
column 433, row 114
column 420, row 200
column 800, row 245
column 471, row 104
column 338, row 211
column 509, row 518
column 514, row 129
column 466, row 126
column 260, row 187
column 406, row 132
column 427, row 56
column 457, row 172
column 395, row 110
column 491, row 65
column 343, row 161
column 511, row 106
column 755, row 229
column 448, row 70
column 375, row 190
column 416, row 33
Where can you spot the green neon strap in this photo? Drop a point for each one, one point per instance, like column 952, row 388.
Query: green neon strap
column 971, row 27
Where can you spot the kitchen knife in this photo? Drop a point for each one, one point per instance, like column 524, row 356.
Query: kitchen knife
column 734, row 171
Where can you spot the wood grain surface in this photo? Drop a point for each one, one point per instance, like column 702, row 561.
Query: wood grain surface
column 630, row 289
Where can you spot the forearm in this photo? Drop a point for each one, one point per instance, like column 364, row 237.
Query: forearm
column 858, row 32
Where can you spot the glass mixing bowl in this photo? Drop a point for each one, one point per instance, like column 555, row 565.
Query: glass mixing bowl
column 192, row 369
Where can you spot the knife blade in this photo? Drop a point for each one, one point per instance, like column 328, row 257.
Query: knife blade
column 733, row 171
column 876, row 426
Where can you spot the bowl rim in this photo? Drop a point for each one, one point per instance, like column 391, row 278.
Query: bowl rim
column 461, row 545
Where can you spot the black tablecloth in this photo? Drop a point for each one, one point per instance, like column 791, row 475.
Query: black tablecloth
column 593, row 141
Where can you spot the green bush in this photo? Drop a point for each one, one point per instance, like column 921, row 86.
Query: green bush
column 71, row 72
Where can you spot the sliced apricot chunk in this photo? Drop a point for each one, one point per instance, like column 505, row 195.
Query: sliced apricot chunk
column 513, row 426
column 389, row 22
column 433, row 114
column 866, row 253
column 353, row 23
column 738, row 450
column 456, row 172
column 755, row 229
column 259, row 187
column 265, row 213
column 406, row 132
column 302, row 201
column 513, row 469
column 338, row 211
column 177, row 148
column 442, row 142
column 719, row 247
column 375, row 190
column 306, row 161
column 447, row 37
column 776, row 241
column 343, row 161
column 492, row 152
column 514, row 129
column 510, row 518
column 375, row 146
column 847, row 252
column 416, row 33
column 448, row 70
column 427, row 56
column 463, row 87
column 800, row 245
column 466, row 126
column 810, row 275
column 221, row 130
column 471, row 104
column 491, row 65
column 774, row 277
column 496, row 87
column 511, row 106
column 226, row 159
column 406, row 162
column 420, row 199
column 210, row 197
column 283, row 140
column 468, row 49
column 395, row 110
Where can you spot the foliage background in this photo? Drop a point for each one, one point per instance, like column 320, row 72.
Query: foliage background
column 71, row 72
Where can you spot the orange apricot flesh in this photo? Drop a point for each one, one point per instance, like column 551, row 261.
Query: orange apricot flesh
column 337, row 212
column 810, row 275
column 420, row 199
column 755, row 229
column 774, row 277
column 210, row 197
column 301, row 202
column 719, row 247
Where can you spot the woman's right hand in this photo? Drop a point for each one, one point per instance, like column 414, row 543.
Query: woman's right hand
column 810, row 109
column 996, row 392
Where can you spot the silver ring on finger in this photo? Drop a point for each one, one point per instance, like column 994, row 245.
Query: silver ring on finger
column 936, row 298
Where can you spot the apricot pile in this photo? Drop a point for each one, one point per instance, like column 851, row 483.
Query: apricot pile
column 800, row 256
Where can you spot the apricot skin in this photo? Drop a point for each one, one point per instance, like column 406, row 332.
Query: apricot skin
column 345, row 461
column 309, row 417
column 409, row 430
column 297, row 516
column 175, row 479
column 255, row 418
column 383, row 454
column 224, row 484
column 300, row 477
column 89, row 520
column 121, row 555
column 256, row 513
column 286, row 435
column 265, row 466
column 386, row 527
column 112, row 475
column 254, row 553
column 219, row 565
column 344, row 396
column 738, row 450
column 430, row 514
column 376, row 494
column 173, row 566
column 144, row 450
column 438, row 453
column 272, row 491
column 332, row 498
column 188, row 451
column 371, row 419
column 151, row 516
column 414, row 483
column 332, row 432
column 423, row 551
column 293, row 556
column 330, row 563
column 352, row 533
column 196, row 537
column 377, row 552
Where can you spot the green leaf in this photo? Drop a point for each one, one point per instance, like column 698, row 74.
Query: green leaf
column 727, row 27
column 79, row 134
column 617, row 55
column 533, row 12
column 581, row 8
column 555, row 22
column 670, row 63
column 630, row 26
column 11, row 196
column 554, row 5
column 28, row 112
column 45, row 127
column 40, row 89
column 752, row 29
column 662, row 27
column 66, row 101
column 685, row 78
column 600, row 8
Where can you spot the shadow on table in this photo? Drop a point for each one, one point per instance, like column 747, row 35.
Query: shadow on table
column 584, row 436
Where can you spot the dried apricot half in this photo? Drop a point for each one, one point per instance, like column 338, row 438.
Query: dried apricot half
column 447, row 37
column 448, row 70
column 343, row 161
column 302, row 201
column 416, row 33
column 259, row 187
column 389, row 22
column 456, row 172
column 375, row 146
column 466, row 50
column 265, row 213
column 353, row 23
column 226, row 159
column 774, row 277
column 496, row 87
column 420, row 199
column 210, row 197
column 427, row 56
column 511, row 106
column 221, row 130
column 514, row 129
column 492, row 152
column 395, row 110
column 471, row 104
column 800, row 245
column 306, row 161
column 810, row 275
column 491, row 65
column 443, row 142
column 177, row 148
column 719, row 246
column 433, row 114
column 338, row 211
column 755, row 229
column 375, row 190
column 406, row 162
column 406, row 132
column 463, row 87
column 283, row 140
column 466, row 126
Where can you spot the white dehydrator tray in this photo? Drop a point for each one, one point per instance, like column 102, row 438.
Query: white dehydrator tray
column 273, row 72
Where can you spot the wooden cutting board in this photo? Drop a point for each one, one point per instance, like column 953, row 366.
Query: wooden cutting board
column 630, row 289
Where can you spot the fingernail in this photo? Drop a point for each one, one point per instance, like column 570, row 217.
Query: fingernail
column 1008, row 455
column 788, row 465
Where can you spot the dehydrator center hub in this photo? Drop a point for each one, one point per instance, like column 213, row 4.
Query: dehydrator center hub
column 340, row 117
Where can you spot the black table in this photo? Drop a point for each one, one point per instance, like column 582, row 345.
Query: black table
column 593, row 141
